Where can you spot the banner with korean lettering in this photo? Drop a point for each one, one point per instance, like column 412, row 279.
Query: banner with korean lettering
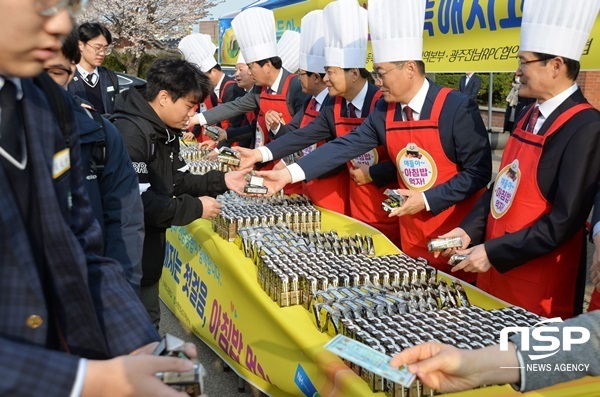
column 458, row 35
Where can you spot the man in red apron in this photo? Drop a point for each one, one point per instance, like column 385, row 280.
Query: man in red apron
column 275, row 88
column 534, row 233
column 352, row 98
column 442, row 152
column 200, row 50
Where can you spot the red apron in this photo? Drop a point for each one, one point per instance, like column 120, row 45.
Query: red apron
column 204, row 106
column 545, row 285
column 277, row 103
column 330, row 192
column 365, row 200
column 225, row 123
column 422, row 164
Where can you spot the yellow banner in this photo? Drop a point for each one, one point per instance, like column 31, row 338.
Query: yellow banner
column 212, row 288
column 458, row 36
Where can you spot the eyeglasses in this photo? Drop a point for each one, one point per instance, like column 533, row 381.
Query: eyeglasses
column 101, row 49
column 49, row 8
column 298, row 73
column 521, row 63
column 379, row 76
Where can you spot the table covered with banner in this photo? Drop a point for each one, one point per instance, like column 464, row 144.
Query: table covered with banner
column 213, row 289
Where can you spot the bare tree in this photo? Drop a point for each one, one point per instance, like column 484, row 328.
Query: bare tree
column 140, row 25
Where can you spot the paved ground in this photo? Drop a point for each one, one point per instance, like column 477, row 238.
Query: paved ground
column 220, row 383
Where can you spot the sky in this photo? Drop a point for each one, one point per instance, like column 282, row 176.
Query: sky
column 227, row 6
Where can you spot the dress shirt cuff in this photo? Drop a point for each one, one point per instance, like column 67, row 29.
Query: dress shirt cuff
column 521, row 385
column 266, row 154
column 201, row 119
column 297, row 173
column 276, row 130
column 596, row 229
column 425, row 201
column 78, row 384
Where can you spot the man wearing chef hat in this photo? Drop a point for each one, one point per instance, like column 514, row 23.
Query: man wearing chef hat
column 352, row 99
column 442, row 186
column 200, row 50
column 532, row 255
column 275, row 89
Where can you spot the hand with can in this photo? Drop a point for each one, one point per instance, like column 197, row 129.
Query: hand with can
column 413, row 204
column 249, row 157
column 456, row 232
column 476, row 261
column 275, row 180
column 134, row 374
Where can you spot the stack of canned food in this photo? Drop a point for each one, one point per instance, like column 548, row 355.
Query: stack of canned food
column 464, row 327
column 295, row 212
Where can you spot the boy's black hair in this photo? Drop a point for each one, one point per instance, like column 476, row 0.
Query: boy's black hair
column 90, row 30
column 178, row 77
column 70, row 47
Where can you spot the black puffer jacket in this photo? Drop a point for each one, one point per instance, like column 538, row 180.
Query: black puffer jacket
column 169, row 193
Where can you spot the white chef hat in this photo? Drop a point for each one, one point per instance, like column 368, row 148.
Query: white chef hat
column 312, row 42
column 560, row 27
column 346, row 33
column 397, row 29
column 288, row 49
column 255, row 32
column 240, row 58
column 199, row 49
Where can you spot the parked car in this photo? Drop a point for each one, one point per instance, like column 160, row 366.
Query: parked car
column 127, row 81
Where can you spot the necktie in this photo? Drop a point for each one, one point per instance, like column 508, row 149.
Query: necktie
column 409, row 113
column 270, row 91
column 535, row 114
column 313, row 104
column 11, row 128
column 352, row 111
column 90, row 79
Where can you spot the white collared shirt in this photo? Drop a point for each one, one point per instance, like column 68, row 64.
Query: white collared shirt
column 277, row 82
column 416, row 104
column 84, row 73
column 217, row 89
column 320, row 98
column 359, row 99
column 550, row 106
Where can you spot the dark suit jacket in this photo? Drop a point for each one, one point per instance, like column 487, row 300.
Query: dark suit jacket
column 462, row 132
column 323, row 127
column 251, row 101
column 108, row 90
column 568, row 179
column 471, row 89
column 98, row 312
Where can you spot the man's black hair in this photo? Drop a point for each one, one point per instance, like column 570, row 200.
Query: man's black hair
column 90, row 30
column 70, row 47
column 217, row 66
column 572, row 65
column 178, row 77
column 275, row 61
column 364, row 73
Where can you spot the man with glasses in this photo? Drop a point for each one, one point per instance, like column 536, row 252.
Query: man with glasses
column 275, row 88
column 439, row 144
column 358, row 190
column 533, row 220
column 71, row 325
column 94, row 83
